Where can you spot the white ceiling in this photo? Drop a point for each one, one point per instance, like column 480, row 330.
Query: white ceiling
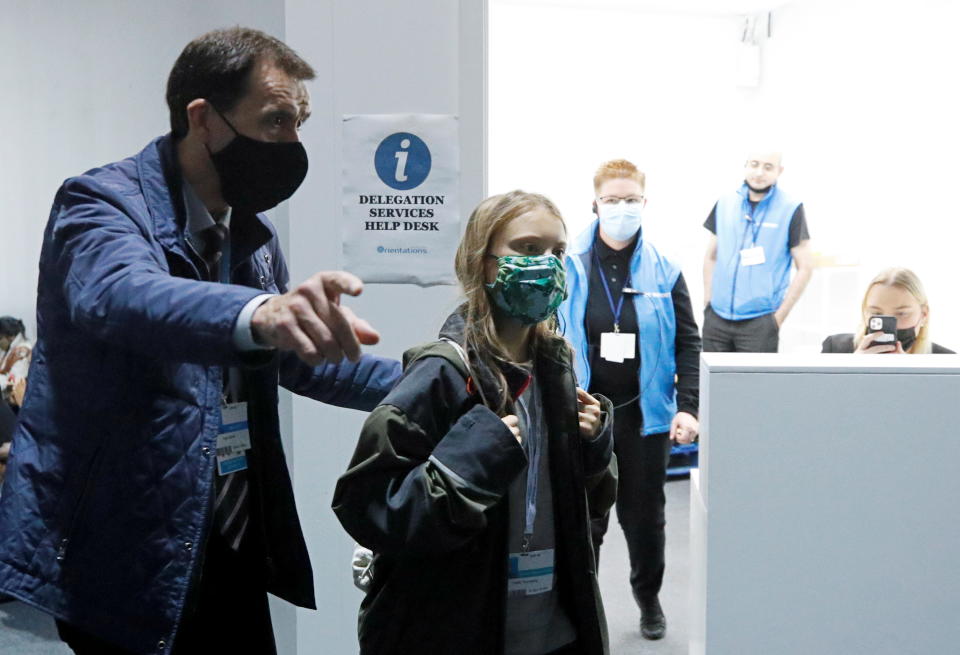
column 702, row 7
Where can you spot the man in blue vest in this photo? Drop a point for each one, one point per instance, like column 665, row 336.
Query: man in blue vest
column 148, row 505
column 759, row 232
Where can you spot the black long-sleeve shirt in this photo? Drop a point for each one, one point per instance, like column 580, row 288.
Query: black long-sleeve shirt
column 620, row 381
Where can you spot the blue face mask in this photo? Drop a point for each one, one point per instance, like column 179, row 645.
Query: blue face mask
column 620, row 221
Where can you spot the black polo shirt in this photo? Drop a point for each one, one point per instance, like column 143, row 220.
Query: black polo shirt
column 620, row 381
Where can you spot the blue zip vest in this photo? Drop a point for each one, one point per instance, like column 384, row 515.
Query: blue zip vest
column 742, row 292
column 654, row 276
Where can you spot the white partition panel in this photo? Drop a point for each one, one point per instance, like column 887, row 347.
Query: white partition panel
column 823, row 518
column 371, row 57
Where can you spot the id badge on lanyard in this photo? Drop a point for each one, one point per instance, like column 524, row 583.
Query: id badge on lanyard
column 615, row 346
column 531, row 573
column 618, row 346
column 753, row 256
column 233, row 438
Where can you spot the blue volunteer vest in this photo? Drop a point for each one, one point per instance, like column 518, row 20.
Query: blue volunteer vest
column 741, row 292
column 654, row 276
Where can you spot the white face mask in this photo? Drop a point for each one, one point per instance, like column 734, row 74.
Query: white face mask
column 620, row 221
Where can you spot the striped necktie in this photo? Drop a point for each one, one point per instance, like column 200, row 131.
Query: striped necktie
column 213, row 239
column 231, row 509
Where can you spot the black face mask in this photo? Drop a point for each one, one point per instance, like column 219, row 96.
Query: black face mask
column 258, row 175
column 906, row 337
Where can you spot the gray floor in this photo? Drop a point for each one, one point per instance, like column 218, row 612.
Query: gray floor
column 623, row 617
column 25, row 631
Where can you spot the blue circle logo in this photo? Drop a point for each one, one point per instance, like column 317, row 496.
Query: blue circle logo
column 402, row 161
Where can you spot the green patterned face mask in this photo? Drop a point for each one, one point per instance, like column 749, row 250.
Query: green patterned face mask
column 529, row 289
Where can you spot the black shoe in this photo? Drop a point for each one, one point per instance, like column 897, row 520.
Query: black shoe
column 653, row 624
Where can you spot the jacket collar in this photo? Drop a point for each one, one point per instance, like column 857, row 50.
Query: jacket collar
column 517, row 377
column 161, row 184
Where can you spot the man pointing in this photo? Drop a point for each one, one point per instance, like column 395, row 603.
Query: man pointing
column 147, row 505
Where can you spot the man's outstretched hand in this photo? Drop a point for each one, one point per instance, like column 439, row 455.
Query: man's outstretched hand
column 310, row 320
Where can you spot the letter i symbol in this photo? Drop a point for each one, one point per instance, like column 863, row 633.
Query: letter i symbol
column 401, row 155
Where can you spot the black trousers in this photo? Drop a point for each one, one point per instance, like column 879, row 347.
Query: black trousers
column 229, row 611
column 641, row 502
column 754, row 335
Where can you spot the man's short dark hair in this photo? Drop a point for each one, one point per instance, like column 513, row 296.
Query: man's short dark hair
column 216, row 66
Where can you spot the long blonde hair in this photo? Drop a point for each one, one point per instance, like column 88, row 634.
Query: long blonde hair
column 480, row 333
column 902, row 278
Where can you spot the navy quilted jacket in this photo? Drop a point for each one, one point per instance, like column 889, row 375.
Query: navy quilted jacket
column 108, row 493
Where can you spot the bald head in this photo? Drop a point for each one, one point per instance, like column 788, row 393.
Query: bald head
column 774, row 157
column 762, row 170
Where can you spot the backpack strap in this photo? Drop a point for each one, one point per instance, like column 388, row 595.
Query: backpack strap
column 471, row 383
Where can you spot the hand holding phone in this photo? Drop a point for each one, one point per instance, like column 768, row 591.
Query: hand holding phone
column 881, row 336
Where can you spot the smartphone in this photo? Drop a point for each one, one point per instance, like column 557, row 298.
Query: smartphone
column 885, row 324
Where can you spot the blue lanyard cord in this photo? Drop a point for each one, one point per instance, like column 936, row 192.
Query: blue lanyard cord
column 531, row 444
column 225, row 263
column 758, row 222
column 743, row 240
column 616, row 310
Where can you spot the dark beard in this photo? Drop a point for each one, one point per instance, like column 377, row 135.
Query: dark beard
column 758, row 190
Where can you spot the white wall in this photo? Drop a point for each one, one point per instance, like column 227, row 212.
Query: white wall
column 571, row 87
column 868, row 98
column 860, row 95
column 371, row 56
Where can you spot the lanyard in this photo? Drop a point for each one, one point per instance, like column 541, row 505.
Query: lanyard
column 533, row 448
column 225, row 262
column 758, row 222
column 615, row 310
column 231, row 375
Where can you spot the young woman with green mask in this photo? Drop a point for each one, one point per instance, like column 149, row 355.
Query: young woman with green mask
column 475, row 480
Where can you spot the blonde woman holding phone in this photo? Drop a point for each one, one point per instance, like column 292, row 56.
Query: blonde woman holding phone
column 895, row 292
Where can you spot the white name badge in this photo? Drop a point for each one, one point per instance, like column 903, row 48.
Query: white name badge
column 531, row 573
column 618, row 346
column 233, row 438
column 752, row 256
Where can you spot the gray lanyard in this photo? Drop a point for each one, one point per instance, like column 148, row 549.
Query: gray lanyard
column 533, row 447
